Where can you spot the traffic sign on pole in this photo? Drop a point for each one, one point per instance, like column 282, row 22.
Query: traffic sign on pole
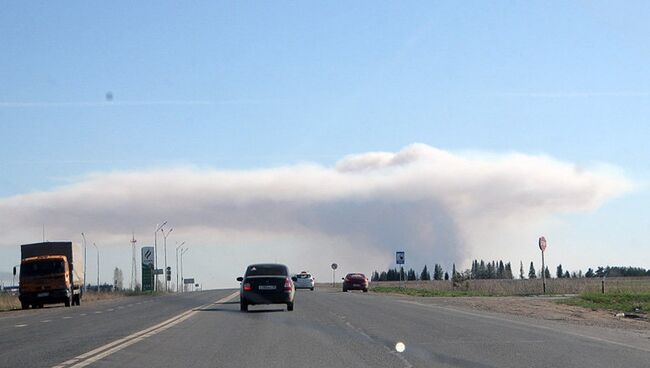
column 542, row 246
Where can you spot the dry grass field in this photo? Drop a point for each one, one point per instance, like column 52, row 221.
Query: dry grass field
column 10, row 301
column 528, row 287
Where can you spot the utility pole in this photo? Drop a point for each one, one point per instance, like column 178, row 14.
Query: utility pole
column 134, row 275
column 165, row 250
column 97, row 266
column 155, row 254
column 177, row 248
column 182, row 278
column 85, row 264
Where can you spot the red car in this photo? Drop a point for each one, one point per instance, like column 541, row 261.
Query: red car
column 355, row 281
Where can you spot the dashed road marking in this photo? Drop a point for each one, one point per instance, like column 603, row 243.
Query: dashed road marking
column 117, row 345
column 20, row 325
column 46, row 321
column 67, row 317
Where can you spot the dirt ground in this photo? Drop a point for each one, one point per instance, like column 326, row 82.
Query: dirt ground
column 544, row 308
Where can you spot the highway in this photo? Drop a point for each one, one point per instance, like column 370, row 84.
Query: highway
column 327, row 329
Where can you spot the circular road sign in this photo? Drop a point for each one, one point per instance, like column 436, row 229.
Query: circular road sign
column 542, row 243
column 334, row 266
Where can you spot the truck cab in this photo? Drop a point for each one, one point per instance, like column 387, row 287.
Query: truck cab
column 47, row 276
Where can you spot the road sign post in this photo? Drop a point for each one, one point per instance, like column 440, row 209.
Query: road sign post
column 399, row 260
column 334, row 267
column 542, row 247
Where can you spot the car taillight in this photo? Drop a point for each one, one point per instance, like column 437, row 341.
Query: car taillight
column 288, row 285
column 247, row 286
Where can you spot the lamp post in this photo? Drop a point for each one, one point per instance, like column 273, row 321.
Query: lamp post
column 177, row 248
column 155, row 254
column 182, row 278
column 84, row 285
column 97, row 266
column 165, row 250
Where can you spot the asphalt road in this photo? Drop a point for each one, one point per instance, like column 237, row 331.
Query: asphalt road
column 327, row 329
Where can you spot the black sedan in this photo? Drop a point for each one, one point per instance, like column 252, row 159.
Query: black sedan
column 266, row 284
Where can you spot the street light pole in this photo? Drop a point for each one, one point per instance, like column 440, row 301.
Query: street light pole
column 182, row 277
column 177, row 248
column 97, row 266
column 85, row 264
column 155, row 254
column 165, row 250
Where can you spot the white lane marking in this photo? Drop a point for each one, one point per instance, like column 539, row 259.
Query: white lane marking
column 20, row 325
column 67, row 317
column 83, row 314
column 396, row 354
column 522, row 323
column 110, row 310
column 46, row 321
column 98, row 312
column 117, row 345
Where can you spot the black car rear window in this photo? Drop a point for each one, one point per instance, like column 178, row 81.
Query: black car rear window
column 267, row 270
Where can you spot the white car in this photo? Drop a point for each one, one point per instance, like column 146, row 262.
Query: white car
column 304, row 280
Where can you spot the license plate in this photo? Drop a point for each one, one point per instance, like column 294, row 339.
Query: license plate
column 356, row 285
column 266, row 287
column 40, row 295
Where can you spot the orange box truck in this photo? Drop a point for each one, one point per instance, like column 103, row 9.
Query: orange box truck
column 50, row 273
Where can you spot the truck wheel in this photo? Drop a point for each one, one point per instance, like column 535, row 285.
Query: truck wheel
column 365, row 290
column 243, row 306
column 289, row 307
column 24, row 306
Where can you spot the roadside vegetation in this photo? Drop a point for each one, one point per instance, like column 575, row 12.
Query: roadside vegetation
column 10, row 301
column 515, row 287
column 425, row 292
column 625, row 302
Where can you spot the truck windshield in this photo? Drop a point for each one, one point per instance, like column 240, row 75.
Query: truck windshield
column 43, row 267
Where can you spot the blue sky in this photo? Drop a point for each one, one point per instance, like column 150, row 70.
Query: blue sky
column 251, row 85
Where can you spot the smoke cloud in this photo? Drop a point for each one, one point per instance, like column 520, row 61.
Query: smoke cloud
column 435, row 204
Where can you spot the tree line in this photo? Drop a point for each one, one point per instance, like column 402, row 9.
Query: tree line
column 500, row 270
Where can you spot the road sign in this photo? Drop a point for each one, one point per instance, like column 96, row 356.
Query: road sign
column 334, row 266
column 542, row 243
column 147, row 255
column 399, row 257
column 188, row 281
column 147, row 268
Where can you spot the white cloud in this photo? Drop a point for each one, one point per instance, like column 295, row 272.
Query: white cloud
column 435, row 204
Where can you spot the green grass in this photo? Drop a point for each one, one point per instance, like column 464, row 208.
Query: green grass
column 425, row 292
column 628, row 302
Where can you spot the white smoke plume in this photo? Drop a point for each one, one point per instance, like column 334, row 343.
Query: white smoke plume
column 434, row 203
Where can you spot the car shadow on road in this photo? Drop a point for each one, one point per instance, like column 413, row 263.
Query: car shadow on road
column 238, row 311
